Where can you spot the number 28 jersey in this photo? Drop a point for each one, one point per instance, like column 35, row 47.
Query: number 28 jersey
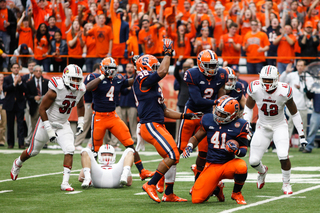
column 66, row 99
column 270, row 106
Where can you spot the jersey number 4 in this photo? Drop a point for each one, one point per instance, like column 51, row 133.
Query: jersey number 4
column 67, row 106
column 271, row 111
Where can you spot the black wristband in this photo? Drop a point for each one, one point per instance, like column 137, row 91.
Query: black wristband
column 181, row 116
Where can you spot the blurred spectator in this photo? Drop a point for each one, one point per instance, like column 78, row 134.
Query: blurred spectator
column 230, row 45
column 273, row 31
column 245, row 18
column 91, row 49
column 204, row 42
column 148, row 37
column 8, row 24
column 298, row 81
column 103, row 37
column 40, row 12
column 293, row 13
column 127, row 103
column 58, row 47
column 3, row 115
column 15, row 5
column 23, row 49
column 255, row 43
column 309, row 42
column 120, row 30
column 318, row 33
column 52, row 28
column 25, row 31
column 285, row 43
column 36, row 88
column 42, row 47
column 3, row 55
column 219, row 23
column 75, row 41
column 296, row 30
column 14, row 104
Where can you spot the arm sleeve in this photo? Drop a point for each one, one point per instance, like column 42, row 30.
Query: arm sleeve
column 176, row 72
column 296, row 118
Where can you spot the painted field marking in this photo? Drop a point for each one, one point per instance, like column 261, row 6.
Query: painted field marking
column 74, row 192
column 141, row 193
column 271, row 199
column 5, row 191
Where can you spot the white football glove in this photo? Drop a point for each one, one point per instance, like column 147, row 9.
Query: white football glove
column 303, row 141
column 51, row 133
column 80, row 125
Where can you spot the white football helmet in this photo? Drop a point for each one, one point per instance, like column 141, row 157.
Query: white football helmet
column 269, row 72
column 231, row 84
column 72, row 76
column 107, row 160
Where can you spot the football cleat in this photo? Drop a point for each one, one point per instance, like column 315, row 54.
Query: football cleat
column 286, row 188
column 86, row 183
column 151, row 191
column 15, row 170
column 146, row 174
column 124, row 180
column 194, row 169
column 160, row 185
column 238, row 198
column 66, row 187
column 173, row 198
column 220, row 194
column 191, row 190
column 261, row 178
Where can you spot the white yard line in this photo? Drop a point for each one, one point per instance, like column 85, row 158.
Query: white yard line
column 271, row 199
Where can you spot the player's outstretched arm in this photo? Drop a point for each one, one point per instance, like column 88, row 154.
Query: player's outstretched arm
column 165, row 64
column 193, row 142
column 94, row 83
column 80, row 112
column 169, row 113
column 248, row 109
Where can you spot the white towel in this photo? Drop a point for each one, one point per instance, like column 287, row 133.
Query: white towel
column 140, row 141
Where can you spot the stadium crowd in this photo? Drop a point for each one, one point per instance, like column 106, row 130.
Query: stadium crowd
column 89, row 30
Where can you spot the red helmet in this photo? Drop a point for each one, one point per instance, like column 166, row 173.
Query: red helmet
column 208, row 63
column 231, row 84
column 226, row 110
column 147, row 62
column 108, row 67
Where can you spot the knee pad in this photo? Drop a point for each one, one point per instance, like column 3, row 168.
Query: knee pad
column 87, row 150
column 34, row 153
column 254, row 161
column 69, row 150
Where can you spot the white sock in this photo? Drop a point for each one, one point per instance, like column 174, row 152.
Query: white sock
column 87, row 173
column 126, row 171
column 260, row 168
column 66, row 175
column 170, row 175
column 19, row 162
column 286, row 176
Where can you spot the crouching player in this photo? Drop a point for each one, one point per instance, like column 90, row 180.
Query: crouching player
column 221, row 163
column 106, row 174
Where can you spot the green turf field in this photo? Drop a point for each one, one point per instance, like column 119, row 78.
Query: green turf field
column 37, row 188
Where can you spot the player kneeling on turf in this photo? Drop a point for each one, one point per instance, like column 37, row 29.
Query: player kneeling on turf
column 226, row 138
column 106, row 173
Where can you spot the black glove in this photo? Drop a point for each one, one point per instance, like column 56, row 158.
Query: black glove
column 190, row 116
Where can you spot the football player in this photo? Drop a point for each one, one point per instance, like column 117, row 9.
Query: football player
column 206, row 83
column 63, row 94
column 152, row 110
column 234, row 88
column 106, row 174
column 105, row 88
column 271, row 97
column 219, row 128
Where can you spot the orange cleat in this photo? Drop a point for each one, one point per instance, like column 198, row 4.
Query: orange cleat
column 220, row 195
column 172, row 198
column 160, row 185
column 146, row 174
column 151, row 191
column 239, row 198
column 194, row 169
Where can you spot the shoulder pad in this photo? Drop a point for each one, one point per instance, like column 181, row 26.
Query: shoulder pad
column 56, row 83
column 191, row 75
column 286, row 90
column 82, row 87
column 253, row 86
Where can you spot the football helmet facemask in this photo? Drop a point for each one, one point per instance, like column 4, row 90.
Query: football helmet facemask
column 72, row 76
column 107, row 160
column 208, row 63
column 147, row 62
column 226, row 110
column 108, row 67
column 231, row 84
column 269, row 72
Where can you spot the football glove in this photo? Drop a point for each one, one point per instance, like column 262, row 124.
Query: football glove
column 191, row 116
column 167, row 47
column 232, row 148
column 303, row 141
column 80, row 126
column 51, row 133
column 187, row 151
column 215, row 102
